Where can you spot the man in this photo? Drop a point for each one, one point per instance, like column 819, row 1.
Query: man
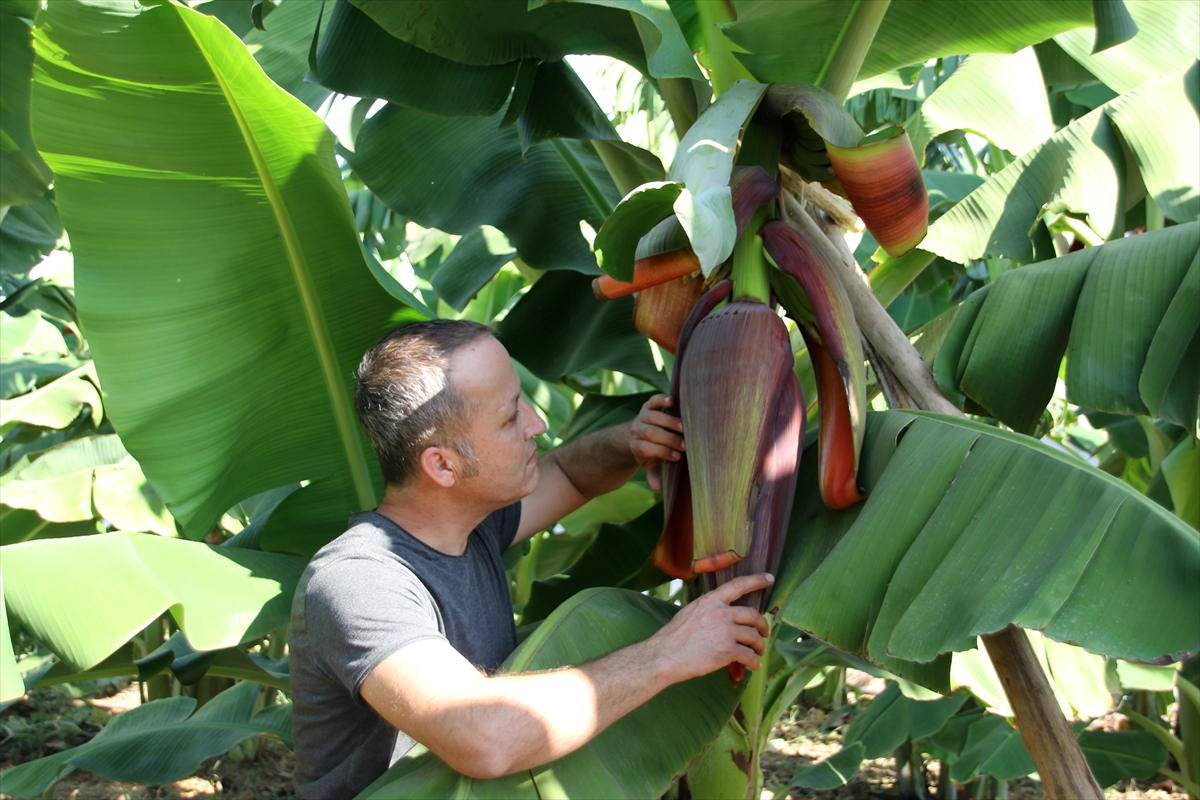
column 398, row 624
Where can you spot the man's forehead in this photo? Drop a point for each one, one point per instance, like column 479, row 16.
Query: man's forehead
column 482, row 370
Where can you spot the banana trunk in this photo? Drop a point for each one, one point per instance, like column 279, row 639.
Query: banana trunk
column 837, row 358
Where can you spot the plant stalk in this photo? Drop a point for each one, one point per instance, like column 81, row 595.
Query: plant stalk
column 947, row 788
column 851, row 49
column 724, row 70
column 618, row 166
column 680, row 99
column 1050, row 741
column 749, row 266
column 1154, row 215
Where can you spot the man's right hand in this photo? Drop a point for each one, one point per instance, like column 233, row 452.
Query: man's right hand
column 709, row 633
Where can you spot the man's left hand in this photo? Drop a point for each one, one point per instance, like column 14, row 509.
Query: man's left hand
column 656, row 436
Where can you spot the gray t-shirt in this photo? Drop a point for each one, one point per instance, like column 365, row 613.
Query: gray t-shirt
column 365, row 595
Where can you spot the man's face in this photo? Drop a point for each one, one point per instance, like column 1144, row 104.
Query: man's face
column 501, row 426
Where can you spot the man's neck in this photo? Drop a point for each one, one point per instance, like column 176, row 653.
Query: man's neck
column 432, row 517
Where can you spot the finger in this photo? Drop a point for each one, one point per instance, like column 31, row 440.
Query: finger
column 750, row 638
column 662, row 420
column 751, row 619
column 653, row 478
column 644, row 451
column 728, row 592
column 744, row 655
column 659, row 401
column 658, row 435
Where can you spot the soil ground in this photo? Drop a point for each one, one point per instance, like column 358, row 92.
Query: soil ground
column 49, row 720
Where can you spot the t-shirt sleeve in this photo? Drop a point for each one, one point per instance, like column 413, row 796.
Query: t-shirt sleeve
column 501, row 525
column 359, row 611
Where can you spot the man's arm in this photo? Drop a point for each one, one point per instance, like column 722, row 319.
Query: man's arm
column 486, row 727
column 601, row 462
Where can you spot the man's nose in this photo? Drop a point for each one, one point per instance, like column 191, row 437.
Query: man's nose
column 534, row 425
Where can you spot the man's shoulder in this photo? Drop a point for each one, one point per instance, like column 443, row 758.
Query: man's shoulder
column 361, row 556
column 367, row 537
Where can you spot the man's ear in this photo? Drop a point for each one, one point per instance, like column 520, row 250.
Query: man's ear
column 440, row 465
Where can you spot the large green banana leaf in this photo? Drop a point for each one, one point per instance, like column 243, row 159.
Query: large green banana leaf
column 90, row 478
column 668, row 54
column 282, row 50
column 456, row 174
column 1168, row 36
column 616, row 557
column 24, row 176
column 640, row 755
column 176, row 655
column 27, row 234
column 158, row 742
column 1124, row 313
column 57, row 404
column 994, row 95
column 1082, row 170
column 501, row 31
column 217, row 266
column 586, row 334
column 356, row 56
column 11, row 684
column 797, row 40
column 219, row 596
column 968, row 528
column 559, row 106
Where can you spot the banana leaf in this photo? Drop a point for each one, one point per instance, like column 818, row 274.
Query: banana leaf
column 57, row 404
column 616, row 557
column 480, row 177
column 585, row 334
column 668, row 54
column 229, row 294
column 560, row 106
column 11, row 684
column 27, row 234
column 910, row 33
column 1168, row 36
column 1082, row 170
column 1012, row 117
column 507, row 30
column 1124, row 313
column 159, row 742
column 640, row 755
column 24, row 176
column 90, row 478
column 282, row 50
column 473, row 262
column 219, row 596
column 356, row 56
column 997, row 526
column 892, row 719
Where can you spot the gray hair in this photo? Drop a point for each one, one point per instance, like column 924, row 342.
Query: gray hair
column 405, row 401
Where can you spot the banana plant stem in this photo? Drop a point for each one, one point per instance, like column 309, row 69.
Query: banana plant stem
column 847, row 59
column 1050, row 741
column 680, row 99
column 749, row 267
